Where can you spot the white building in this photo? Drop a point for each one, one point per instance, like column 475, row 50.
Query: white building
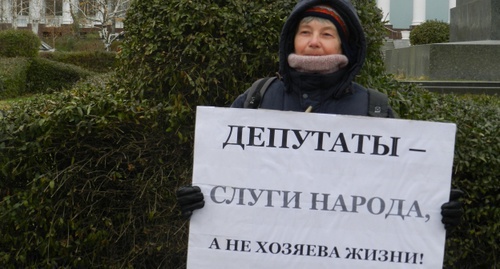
column 403, row 14
column 33, row 14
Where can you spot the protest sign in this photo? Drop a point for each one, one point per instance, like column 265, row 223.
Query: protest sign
column 302, row 190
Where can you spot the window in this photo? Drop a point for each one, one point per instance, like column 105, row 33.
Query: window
column 90, row 7
column 54, row 7
column 22, row 7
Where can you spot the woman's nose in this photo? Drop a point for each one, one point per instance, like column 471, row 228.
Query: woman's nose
column 314, row 42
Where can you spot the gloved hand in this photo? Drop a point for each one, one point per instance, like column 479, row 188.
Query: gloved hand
column 452, row 211
column 189, row 198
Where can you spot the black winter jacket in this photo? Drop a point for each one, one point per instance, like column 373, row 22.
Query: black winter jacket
column 334, row 93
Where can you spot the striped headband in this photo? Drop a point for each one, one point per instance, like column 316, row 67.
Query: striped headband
column 329, row 13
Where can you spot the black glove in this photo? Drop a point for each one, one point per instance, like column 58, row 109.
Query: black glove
column 189, row 198
column 452, row 211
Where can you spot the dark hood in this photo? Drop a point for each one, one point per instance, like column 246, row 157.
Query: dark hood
column 356, row 42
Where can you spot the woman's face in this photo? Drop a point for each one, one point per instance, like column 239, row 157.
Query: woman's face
column 317, row 37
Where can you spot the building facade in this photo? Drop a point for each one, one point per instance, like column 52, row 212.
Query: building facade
column 403, row 14
column 46, row 17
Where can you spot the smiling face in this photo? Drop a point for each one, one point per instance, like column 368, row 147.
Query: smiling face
column 316, row 37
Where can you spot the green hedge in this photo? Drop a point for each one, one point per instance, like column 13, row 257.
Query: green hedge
column 89, row 174
column 45, row 75
column 85, row 182
column 20, row 76
column 429, row 32
column 19, row 43
column 475, row 171
column 13, row 76
column 96, row 61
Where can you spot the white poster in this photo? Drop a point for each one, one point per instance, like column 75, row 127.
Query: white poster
column 304, row 190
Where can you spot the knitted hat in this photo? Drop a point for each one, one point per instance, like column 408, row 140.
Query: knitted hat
column 330, row 14
column 326, row 12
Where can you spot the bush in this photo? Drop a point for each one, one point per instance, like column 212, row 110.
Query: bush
column 430, row 32
column 476, row 168
column 86, row 182
column 96, row 61
column 45, row 75
column 13, row 76
column 19, row 43
column 20, row 76
column 476, row 171
column 205, row 50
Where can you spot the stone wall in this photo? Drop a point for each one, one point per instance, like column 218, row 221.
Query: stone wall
column 475, row 20
column 471, row 61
